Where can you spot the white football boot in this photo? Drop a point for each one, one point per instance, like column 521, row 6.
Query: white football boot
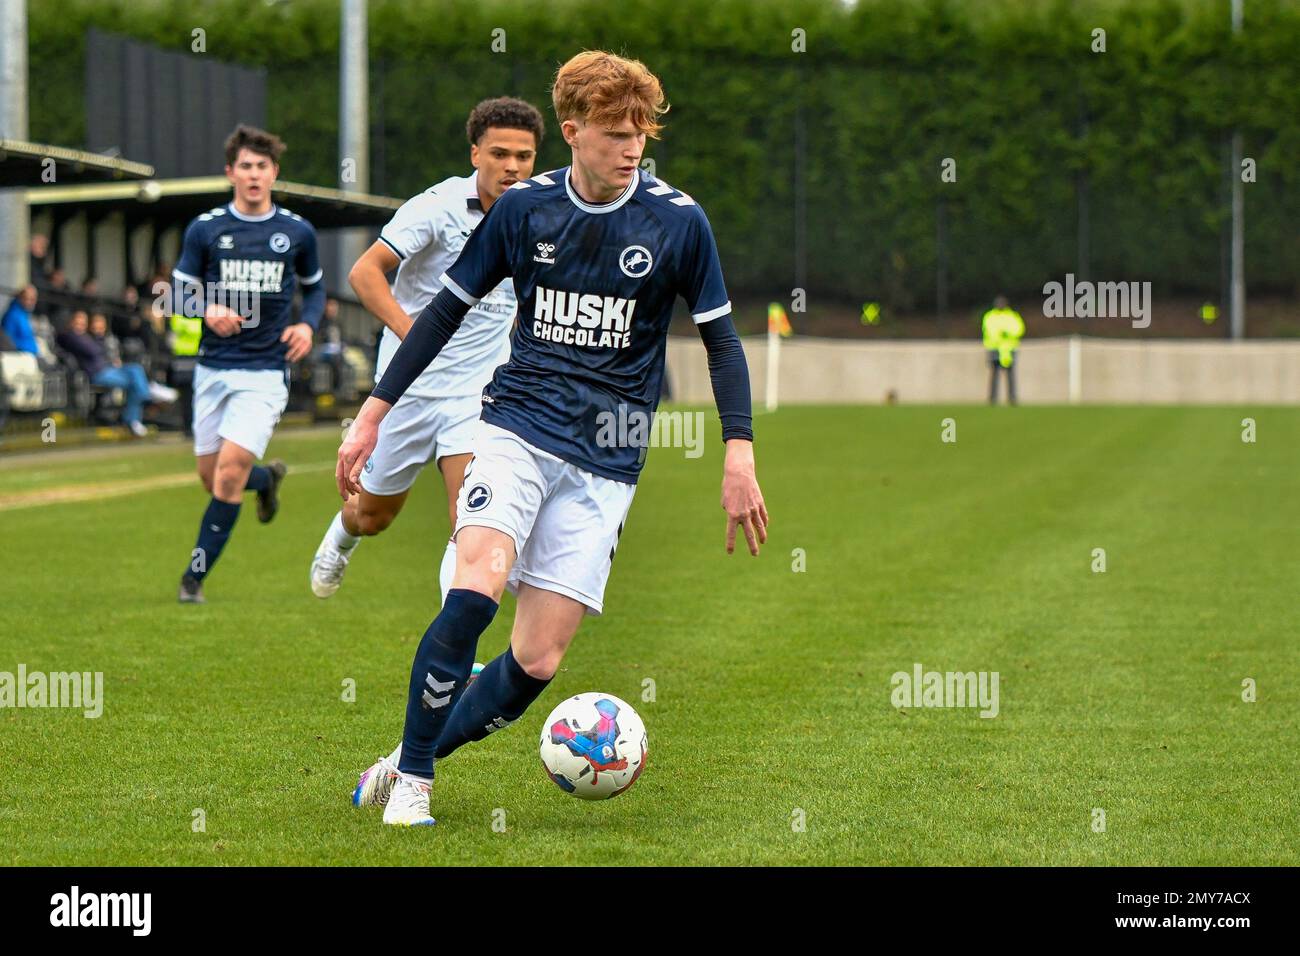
column 376, row 784
column 408, row 805
column 327, row 568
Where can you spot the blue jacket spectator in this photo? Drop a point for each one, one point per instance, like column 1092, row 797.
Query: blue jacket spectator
column 17, row 321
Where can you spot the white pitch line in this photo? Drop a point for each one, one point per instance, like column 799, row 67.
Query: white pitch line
column 70, row 494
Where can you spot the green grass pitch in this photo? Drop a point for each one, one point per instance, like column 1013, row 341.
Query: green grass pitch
column 773, row 739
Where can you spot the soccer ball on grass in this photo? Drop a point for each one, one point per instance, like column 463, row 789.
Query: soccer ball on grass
column 593, row 746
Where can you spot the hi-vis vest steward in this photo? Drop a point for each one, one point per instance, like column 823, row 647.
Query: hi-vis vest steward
column 186, row 333
column 1002, row 331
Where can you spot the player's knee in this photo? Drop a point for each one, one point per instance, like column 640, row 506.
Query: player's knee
column 226, row 489
column 488, row 564
column 371, row 521
column 229, row 480
column 483, row 559
column 482, row 577
column 543, row 666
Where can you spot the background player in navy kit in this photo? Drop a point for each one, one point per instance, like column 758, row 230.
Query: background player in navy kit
column 598, row 253
column 238, row 269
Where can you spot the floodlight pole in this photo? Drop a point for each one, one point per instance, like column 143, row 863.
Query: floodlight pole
column 1237, row 300
column 14, row 214
column 354, row 118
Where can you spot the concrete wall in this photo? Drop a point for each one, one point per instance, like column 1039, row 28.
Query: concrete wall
column 1108, row 371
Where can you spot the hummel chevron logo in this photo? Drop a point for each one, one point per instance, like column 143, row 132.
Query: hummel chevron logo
column 438, row 687
column 498, row 723
column 663, row 189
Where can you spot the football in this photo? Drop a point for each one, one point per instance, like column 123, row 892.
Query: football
column 593, row 746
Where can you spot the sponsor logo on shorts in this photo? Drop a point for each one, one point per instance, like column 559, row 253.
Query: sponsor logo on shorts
column 478, row 497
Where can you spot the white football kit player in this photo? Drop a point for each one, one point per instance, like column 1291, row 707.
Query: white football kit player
column 436, row 418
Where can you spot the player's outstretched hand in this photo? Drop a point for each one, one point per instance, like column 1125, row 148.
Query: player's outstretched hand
column 358, row 446
column 299, row 338
column 222, row 320
column 741, row 497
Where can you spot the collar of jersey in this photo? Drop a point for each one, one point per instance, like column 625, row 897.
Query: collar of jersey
column 472, row 195
column 603, row 207
column 239, row 215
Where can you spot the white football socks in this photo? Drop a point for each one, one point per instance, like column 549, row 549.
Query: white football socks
column 447, row 571
column 339, row 535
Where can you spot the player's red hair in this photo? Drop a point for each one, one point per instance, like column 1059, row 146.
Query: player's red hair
column 604, row 89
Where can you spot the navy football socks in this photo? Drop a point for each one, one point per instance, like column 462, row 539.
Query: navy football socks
column 259, row 479
column 499, row 697
column 218, row 521
column 442, row 665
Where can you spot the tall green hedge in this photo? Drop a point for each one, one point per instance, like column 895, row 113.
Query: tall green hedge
column 885, row 91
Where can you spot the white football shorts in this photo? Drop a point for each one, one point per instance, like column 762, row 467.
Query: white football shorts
column 241, row 405
column 565, row 521
column 415, row 432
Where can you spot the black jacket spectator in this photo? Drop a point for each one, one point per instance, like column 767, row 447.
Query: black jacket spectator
column 86, row 350
column 40, row 264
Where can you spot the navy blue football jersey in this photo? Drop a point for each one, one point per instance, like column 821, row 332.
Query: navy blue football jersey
column 596, row 286
column 243, row 257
